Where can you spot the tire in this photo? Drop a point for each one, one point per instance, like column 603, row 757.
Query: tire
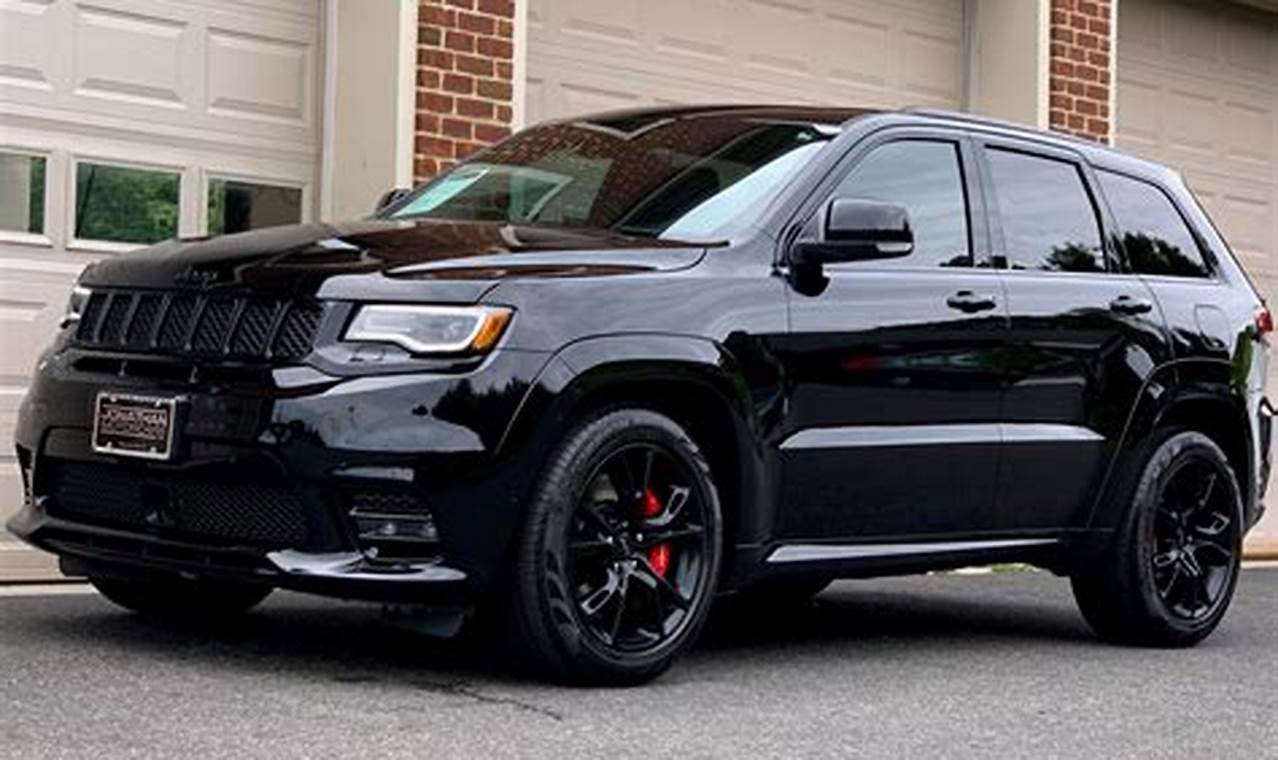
column 1170, row 573
column 583, row 563
column 179, row 599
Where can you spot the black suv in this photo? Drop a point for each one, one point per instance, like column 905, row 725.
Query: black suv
column 615, row 365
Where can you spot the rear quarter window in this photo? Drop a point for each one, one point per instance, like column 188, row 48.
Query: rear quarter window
column 1154, row 234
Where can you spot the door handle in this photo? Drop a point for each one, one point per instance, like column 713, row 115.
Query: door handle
column 1130, row 305
column 967, row 302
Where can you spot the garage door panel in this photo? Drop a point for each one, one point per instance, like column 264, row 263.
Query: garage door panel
column 150, row 75
column 260, row 78
column 814, row 51
column 26, row 52
column 929, row 68
column 1247, row 134
column 1193, row 120
column 767, row 40
column 1192, row 33
column 209, row 66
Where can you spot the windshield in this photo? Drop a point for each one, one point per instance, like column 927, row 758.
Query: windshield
column 697, row 179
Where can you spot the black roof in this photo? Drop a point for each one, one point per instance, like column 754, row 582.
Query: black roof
column 633, row 119
column 639, row 119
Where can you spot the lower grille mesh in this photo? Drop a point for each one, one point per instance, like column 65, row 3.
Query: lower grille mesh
column 178, row 503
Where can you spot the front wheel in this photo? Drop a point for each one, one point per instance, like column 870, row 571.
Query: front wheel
column 1170, row 575
column 619, row 556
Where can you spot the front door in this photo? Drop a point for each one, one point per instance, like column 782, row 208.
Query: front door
column 1084, row 336
column 893, row 379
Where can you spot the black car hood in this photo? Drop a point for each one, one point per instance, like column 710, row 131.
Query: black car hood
column 457, row 261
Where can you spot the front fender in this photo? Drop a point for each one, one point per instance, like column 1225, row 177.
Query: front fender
column 684, row 376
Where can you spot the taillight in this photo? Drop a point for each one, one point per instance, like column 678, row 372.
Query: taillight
column 1264, row 322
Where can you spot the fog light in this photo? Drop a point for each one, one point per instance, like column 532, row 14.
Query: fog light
column 395, row 527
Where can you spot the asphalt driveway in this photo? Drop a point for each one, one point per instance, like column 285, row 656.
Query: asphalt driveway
column 945, row 666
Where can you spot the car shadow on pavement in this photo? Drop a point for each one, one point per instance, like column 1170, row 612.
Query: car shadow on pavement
column 919, row 617
column 353, row 643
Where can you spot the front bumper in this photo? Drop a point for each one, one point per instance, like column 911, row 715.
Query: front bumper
column 94, row 548
column 315, row 444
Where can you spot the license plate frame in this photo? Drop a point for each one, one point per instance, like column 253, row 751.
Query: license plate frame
column 135, row 425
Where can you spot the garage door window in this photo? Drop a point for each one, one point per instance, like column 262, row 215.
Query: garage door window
column 22, row 193
column 123, row 204
column 1049, row 222
column 238, row 206
column 1155, row 237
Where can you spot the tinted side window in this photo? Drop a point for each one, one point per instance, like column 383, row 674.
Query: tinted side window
column 1155, row 236
column 925, row 177
column 1049, row 222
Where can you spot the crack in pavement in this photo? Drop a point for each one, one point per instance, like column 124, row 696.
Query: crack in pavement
column 463, row 689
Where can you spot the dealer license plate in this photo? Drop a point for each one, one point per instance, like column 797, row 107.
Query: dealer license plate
column 129, row 425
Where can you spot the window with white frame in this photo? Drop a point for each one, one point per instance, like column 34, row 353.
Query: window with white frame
column 236, row 205
column 22, row 181
column 125, row 204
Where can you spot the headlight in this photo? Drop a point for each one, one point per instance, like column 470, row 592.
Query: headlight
column 75, row 305
column 430, row 329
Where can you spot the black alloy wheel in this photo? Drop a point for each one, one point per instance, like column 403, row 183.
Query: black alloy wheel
column 637, row 547
column 618, row 560
column 1170, row 573
column 1195, row 539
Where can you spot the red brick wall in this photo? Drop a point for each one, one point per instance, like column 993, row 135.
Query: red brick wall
column 464, row 79
column 1082, row 49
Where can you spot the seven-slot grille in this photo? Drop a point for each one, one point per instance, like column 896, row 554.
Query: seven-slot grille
column 189, row 324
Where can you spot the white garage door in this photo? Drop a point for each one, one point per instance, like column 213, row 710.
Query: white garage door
column 586, row 55
column 1198, row 89
column 128, row 121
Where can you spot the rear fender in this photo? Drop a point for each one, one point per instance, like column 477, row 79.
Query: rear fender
column 1167, row 394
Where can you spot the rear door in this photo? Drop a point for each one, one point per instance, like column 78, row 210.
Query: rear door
column 1083, row 334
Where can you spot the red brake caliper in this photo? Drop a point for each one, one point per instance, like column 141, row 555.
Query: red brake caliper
column 659, row 555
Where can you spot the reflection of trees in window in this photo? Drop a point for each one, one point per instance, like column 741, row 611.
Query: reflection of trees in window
column 1073, row 257
column 125, row 205
column 1152, row 255
column 35, row 221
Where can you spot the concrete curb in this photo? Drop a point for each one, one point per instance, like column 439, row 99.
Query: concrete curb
column 1261, row 548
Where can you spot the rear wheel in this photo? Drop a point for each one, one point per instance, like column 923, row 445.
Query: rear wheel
column 619, row 557
column 1170, row 575
column 179, row 598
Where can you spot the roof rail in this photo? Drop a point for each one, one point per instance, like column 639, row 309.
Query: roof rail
column 972, row 118
column 990, row 121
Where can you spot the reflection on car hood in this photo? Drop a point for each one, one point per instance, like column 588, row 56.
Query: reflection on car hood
column 330, row 259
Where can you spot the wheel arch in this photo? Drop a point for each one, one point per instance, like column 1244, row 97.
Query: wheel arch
column 1197, row 395
column 694, row 381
